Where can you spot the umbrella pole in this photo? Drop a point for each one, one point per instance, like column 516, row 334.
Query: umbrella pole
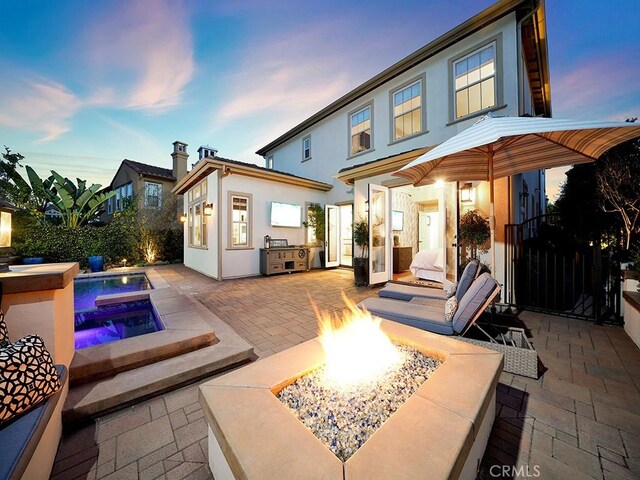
column 492, row 226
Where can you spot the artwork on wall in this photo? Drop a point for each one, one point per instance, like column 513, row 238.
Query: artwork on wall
column 397, row 220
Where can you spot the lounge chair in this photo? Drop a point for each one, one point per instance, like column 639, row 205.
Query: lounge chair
column 431, row 318
column 398, row 291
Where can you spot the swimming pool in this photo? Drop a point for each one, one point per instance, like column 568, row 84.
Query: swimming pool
column 97, row 325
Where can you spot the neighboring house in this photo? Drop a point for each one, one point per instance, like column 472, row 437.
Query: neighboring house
column 150, row 184
column 495, row 62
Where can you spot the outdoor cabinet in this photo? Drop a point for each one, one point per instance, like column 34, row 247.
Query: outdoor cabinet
column 282, row 260
column 402, row 257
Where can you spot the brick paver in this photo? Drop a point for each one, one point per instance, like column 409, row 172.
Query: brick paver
column 579, row 420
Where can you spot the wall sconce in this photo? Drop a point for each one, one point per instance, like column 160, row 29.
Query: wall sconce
column 467, row 194
column 183, row 218
column 6, row 210
column 208, row 209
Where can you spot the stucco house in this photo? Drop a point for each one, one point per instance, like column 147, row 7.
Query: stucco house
column 494, row 62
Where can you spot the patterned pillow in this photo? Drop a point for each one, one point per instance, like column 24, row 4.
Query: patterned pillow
column 27, row 376
column 4, row 335
column 450, row 309
column 450, row 291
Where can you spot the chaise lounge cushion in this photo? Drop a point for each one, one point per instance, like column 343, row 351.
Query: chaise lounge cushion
column 398, row 291
column 20, row 437
column 483, row 288
column 419, row 316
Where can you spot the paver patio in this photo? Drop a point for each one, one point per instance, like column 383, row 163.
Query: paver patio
column 580, row 420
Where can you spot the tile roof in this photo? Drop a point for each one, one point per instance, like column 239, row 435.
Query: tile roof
column 152, row 170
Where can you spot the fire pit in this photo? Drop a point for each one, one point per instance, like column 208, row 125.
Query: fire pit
column 439, row 431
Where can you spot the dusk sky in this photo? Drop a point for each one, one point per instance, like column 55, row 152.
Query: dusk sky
column 87, row 84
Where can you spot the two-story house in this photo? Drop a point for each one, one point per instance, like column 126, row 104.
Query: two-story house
column 494, row 62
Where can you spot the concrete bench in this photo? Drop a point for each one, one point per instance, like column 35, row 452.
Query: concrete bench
column 30, row 442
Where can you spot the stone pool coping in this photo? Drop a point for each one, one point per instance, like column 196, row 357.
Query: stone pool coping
column 440, row 432
column 185, row 330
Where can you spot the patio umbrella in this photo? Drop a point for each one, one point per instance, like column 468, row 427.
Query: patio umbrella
column 496, row 147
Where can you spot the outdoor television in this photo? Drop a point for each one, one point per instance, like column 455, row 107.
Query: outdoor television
column 286, row 215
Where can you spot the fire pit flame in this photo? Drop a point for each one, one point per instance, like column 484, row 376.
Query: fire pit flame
column 356, row 349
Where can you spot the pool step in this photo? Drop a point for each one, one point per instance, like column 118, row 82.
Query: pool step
column 123, row 389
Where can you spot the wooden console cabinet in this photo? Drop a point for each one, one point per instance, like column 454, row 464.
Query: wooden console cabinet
column 402, row 257
column 282, row 260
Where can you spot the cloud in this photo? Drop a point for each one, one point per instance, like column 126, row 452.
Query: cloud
column 604, row 83
column 37, row 105
column 148, row 44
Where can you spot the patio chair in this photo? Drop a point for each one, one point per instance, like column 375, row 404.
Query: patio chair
column 398, row 291
column 431, row 318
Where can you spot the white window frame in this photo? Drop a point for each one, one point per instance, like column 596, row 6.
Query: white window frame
column 270, row 162
column 353, row 113
column 248, row 221
column 423, row 109
column 197, row 222
column 305, row 157
column 146, row 198
column 496, row 40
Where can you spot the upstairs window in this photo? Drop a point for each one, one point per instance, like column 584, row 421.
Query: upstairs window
column 306, row 148
column 407, row 111
column 475, row 81
column 152, row 195
column 360, row 130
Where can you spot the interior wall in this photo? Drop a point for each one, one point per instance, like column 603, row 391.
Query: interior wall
column 403, row 202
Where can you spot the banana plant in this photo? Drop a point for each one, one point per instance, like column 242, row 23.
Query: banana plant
column 76, row 203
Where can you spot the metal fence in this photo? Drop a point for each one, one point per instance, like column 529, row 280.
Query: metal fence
column 581, row 282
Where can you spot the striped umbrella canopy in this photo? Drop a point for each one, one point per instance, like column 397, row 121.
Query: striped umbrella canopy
column 496, row 147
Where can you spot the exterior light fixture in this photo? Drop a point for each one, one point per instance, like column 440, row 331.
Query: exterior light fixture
column 6, row 209
column 467, row 193
column 208, row 209
column 183, row 217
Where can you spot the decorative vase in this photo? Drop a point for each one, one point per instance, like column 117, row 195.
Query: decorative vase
column 96, row 263
column 32, row 260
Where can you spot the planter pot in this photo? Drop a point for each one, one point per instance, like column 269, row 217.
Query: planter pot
column 32, row 260
column 96, row 263
column 361, row 271
column 321, row 255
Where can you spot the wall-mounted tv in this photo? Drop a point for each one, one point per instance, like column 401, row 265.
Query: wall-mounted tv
column 286, row 215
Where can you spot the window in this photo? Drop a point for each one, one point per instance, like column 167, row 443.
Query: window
column 360, row 130
column 475, row 81
column 110, row 206
column 196, row 219
column 239, row 226
column 306, row 148
column 270, row 162
column 152, row 195
column 407, row 110
column 310, row 231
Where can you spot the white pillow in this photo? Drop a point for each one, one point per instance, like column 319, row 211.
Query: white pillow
column 450, row 309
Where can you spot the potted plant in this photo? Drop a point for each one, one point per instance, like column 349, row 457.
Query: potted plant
column 316, row 220
column 32, row 249
column 361, row 262
column 474, row 232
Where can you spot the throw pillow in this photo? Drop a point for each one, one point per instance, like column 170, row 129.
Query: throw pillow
column 450, row 309
column 27, row 376
column 4, row 335
column 450, row 291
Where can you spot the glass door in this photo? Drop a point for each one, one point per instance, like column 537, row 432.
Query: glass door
column 332, row 235
column 379, row 244
column 346, row 235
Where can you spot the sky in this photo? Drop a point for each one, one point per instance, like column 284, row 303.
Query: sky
column 84, row 85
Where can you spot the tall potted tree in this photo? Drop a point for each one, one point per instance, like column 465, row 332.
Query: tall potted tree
column 316, row 220
column 473, row 234
column 361, row 262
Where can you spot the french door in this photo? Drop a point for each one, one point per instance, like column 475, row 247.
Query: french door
column 332, row 235
column 379, row 234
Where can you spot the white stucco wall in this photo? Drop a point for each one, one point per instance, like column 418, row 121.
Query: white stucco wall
column 205, row 260
column 330, row 137
column 242, row 263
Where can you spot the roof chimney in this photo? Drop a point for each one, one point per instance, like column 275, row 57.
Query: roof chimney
column 206, row 151
column 179, row 156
